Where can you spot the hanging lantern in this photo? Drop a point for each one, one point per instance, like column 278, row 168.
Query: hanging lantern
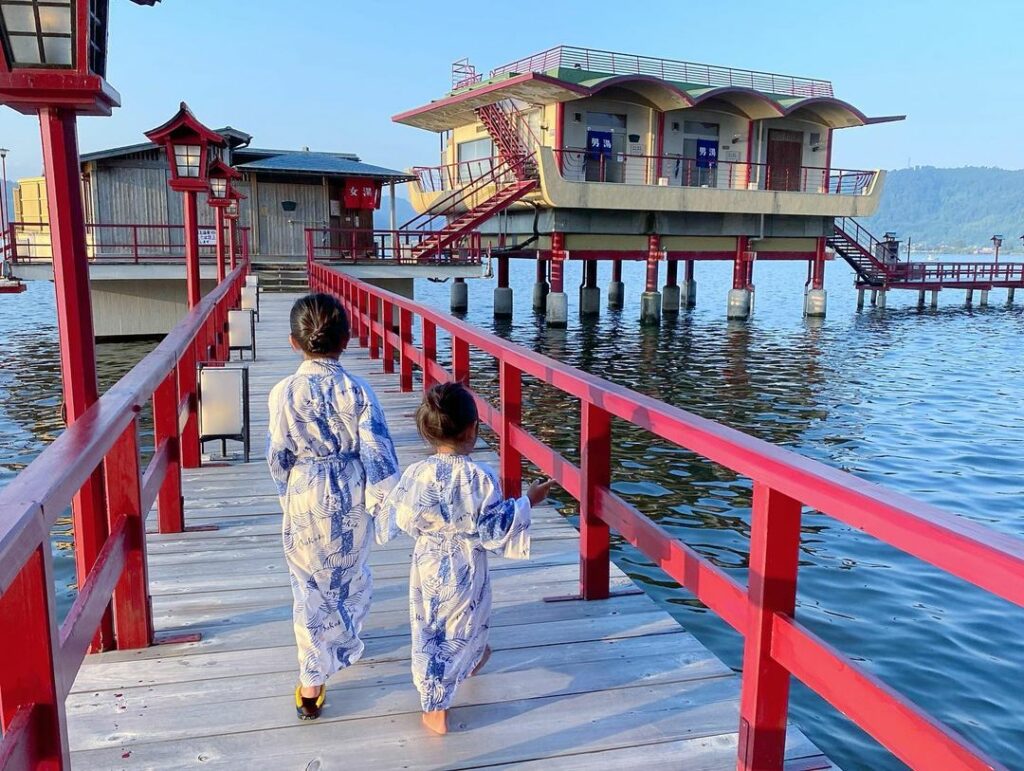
column 187, row 143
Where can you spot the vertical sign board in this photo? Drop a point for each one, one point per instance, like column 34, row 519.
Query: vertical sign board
column 598, row 143
column 707, row 153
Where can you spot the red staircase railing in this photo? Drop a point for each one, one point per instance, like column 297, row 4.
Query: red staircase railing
column 510, row 131
column 498, row 173
column 776, row 645
column 39, row 659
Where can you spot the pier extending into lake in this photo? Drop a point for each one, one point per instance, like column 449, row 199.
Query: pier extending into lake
column 199, row 665
column 572, row 684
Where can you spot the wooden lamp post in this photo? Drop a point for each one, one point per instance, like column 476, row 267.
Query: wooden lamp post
column 53, row 63
column 221, row 199
column 187, row 143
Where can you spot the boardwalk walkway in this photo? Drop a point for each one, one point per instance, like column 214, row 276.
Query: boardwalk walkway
column 572, row 685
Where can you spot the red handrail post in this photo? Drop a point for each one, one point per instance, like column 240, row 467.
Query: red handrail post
column 375, row 334
column 764, row 700
column 170, row 506
column 28, row 669
column 460, row 360
column 387, row 323
column 405, row 352
column 361, row 312
column 187, row 387
column 133, row 620
column 135, row 243
column 511, row 393
column 429, row 345
column 595, row 470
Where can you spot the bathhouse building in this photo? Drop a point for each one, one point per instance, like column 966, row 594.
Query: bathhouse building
column 574, row 153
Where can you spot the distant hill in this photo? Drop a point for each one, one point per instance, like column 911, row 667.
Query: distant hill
column 952, row 209
column 382, row 216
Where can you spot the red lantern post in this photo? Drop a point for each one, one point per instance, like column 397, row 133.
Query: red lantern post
column 232, row 213
column 220, row 199
column 187, row 143
column 54, row 64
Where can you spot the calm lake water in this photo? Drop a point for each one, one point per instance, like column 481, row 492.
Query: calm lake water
column 927, row 403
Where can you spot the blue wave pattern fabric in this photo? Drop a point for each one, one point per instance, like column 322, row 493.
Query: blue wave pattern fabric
column 333, row 460
column 454, row 509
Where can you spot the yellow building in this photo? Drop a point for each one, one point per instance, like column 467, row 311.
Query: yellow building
column 593, row 154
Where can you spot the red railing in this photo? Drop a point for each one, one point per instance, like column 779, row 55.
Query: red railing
column 28, row 242
column 453, row 176
column 776, row 644
column 691, row 73
column 39, row 659
column 579, row 165
column 949, row 274
column 397, row 246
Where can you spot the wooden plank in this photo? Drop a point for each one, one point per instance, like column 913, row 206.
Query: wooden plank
column 572, row 685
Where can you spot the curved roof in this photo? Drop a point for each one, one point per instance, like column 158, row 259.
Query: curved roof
column 655, row 91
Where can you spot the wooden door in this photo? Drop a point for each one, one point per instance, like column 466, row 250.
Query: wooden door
column 785, row 156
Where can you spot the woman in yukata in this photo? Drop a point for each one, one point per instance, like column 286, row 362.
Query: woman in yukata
column 333, row 460
column 454, row 508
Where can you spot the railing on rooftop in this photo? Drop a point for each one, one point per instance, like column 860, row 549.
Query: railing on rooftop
column 776, row 645
column 387, row 246
column 39, row 659
column 580, row 165
column 29, row 242
column 592, row 60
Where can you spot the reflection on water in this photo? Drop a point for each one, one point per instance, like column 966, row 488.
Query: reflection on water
column 924, row 402
column 30, row 401
column 927, row 403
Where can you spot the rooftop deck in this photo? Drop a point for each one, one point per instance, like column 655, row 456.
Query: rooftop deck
column 604, row 684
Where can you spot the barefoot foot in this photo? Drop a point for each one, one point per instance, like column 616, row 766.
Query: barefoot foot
column 436, row 721
column 483, row 660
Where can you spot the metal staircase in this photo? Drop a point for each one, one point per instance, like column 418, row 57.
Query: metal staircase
column 512, row 136
column 861, row 249
column 514, row 176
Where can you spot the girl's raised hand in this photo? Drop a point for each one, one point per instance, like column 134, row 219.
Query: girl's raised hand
column 539, row 490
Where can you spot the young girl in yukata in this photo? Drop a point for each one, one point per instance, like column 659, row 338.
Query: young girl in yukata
column 333, row 460
column 453, row 507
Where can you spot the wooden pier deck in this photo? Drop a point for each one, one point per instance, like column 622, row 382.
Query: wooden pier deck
column 613, row 684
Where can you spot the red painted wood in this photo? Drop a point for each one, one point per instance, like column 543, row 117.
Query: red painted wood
column 460, row 360
column 739, row 266
column 90, row 605
column 547, row 460
column 233, row 241
column 429, row 345
column 220, row 251
column 374, row 309
column 764, row 699
column 28, row 666
column 188, row 445
column 595, row 468
column 715, row 588
column 405, row 363
column 818, row 273
column 191, row 221
column 133, row 622
column 74, row 323
column 387, row 320
column 363, row 310
column 154, row 476
column 893, row 720
column 511, row 393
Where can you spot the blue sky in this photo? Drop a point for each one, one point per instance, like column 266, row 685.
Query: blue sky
column 329, row 74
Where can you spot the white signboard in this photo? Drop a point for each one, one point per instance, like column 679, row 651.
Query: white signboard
column 207, row 237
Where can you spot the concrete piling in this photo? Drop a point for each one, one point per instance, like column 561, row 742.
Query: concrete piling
column 590, row 292
column 616, row 288
column 459, row 296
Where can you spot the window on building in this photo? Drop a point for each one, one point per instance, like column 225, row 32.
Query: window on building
column 474, row 158
column 695, row 168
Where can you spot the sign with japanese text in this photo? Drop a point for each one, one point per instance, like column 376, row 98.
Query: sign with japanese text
column 361, row 194
column 707, row 153
column 207, row 237
column 599, row 142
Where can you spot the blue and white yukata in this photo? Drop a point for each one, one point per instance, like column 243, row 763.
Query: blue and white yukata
column 454, row 509
column 333, row 460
